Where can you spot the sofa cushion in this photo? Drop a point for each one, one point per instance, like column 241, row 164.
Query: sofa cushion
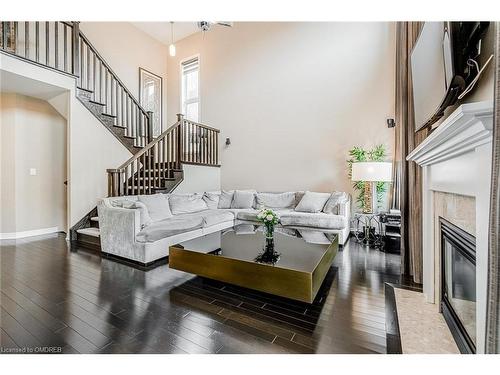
column 247, row 215
column 312, row 202
column 251, row 214
column 225, row 199
column 183, row 204
column 211, row 217
column 333, row 203
column 169, row 227
column 314, row 220
column 211, row 198
column 157, row 205
column 243, row 199
column 276, row 200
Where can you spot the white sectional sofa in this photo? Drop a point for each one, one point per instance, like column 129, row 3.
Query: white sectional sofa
column 141, row 228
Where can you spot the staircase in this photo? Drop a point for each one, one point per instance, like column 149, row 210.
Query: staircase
column 156, row 164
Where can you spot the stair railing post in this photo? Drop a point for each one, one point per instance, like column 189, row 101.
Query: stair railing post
column 180, row 139
column 150, row 125
column 114, row 183
column 75, row 44
column 5, row 35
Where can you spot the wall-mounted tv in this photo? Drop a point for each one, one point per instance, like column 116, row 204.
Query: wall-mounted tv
column 442, row 66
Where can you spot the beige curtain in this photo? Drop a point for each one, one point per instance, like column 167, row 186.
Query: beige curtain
column 493, row 313
column 407, row 186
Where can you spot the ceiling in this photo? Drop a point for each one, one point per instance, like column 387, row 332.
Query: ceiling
column 161, row 30
column 13, row 83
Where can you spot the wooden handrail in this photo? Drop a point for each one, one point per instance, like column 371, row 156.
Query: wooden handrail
column 184, row 142
column 203, row 126
column 145, row 148
column 115, row 76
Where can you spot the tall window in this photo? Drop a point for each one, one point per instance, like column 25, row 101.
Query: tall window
column 190, row 95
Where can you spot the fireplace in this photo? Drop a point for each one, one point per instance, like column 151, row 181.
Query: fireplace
column 458, row 284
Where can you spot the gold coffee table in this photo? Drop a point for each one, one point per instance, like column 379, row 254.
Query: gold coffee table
column 297, row 274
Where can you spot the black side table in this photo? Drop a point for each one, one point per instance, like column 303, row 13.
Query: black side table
column 391, row 231
column 368, row 229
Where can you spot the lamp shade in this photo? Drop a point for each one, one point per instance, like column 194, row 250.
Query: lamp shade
column 371, row 171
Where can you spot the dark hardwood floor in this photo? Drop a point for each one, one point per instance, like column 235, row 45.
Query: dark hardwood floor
column 58, row 299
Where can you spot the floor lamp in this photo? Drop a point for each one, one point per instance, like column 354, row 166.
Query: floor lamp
column 371, row 173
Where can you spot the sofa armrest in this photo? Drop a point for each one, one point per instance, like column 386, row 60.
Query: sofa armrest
column 345, row 208
column 119, row 223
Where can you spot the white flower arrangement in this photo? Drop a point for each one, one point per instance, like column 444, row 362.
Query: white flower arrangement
column 268, row 217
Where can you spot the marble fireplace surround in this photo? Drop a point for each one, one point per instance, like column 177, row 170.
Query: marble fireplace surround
column 456, row 170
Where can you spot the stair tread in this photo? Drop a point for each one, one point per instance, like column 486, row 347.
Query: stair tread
column 94, row 232
column 130, row 137
column 94, row 218
column 156, row 178
column 95, row 102
column 130, row 188
column 108, row 115
column 84, row 89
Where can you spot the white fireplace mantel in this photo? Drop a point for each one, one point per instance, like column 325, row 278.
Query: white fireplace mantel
column 456, row 158
column 467, row 128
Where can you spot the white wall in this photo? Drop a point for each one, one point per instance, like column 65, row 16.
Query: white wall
column 33, row 137
column 91, row 147
column 199, row 178
column 7, row 166
column 293, row 98
column 126, row 48
column 93, row 150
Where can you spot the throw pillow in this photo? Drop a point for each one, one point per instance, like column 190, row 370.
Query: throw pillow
column 183, row 204
column 157, row 206
column 226, row 197
column 333, row 203
column 312, row 202
column 211, row 198
column 298, row 197
column 276, row 200
column 243, row 199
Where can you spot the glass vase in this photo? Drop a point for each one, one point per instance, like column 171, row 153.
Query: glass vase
column 269, row 231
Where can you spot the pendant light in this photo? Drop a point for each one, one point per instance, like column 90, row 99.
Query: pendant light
column 171, row 48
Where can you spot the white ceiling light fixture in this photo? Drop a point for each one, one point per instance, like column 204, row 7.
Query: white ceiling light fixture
column 171, row 47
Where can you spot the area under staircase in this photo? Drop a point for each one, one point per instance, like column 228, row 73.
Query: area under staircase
column 157, row 162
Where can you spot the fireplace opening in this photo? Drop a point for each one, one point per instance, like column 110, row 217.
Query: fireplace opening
column 458, row 284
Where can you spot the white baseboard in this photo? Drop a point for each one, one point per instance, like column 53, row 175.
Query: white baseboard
column 28, row 233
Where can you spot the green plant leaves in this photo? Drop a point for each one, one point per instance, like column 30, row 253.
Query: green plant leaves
column 358, row 154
